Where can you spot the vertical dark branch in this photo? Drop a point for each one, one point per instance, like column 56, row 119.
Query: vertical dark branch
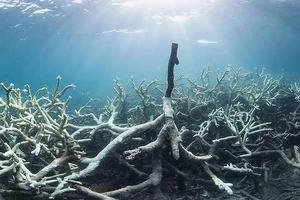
column 172, row 61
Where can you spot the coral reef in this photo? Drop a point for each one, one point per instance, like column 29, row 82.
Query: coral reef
column 223, row 136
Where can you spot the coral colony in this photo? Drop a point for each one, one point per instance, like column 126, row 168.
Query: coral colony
column 222, row 125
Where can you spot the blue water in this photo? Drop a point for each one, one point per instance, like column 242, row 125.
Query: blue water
column 90, row 42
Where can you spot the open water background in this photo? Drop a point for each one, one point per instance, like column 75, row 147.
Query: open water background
column 91, row 42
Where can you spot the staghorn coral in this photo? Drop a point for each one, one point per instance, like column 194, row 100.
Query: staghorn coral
column 217, row 125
